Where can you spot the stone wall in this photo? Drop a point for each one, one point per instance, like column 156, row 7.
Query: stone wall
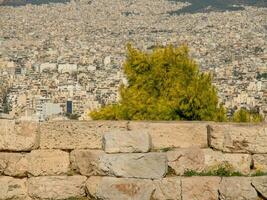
column 113, row 160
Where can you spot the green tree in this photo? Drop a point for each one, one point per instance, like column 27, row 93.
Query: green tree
column 165, row 84
column 244, row 115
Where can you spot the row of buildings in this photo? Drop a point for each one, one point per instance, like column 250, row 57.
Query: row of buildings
column 54, row 54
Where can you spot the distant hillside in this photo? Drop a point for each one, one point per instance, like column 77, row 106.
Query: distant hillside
column 24, row 2
column 217, row 5
column 12, row 1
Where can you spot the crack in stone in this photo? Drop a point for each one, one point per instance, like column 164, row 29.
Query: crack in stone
column 261, row 197
column 209, row 129
column 219, row 194
column 181, row 186
column 128, row 126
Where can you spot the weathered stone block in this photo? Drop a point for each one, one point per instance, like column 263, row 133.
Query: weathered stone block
column 260, row 185
column 11, row 188
column 239, row 138
column 184, row 159
column 149, row 165
column 48, row 162
column 174, row 134
column 200, row 188
column 87, row 162
column 18, row 137
column 260, row 162
column 127, row 142
column 137, row 165
column 56, row 187
column 201, row 160
column 168, row 188
column 76, row 135
column 111, row 188
column 237, row 188
column 235, row 162
column 13, row 164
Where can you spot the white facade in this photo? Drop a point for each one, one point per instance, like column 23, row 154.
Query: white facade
column 47, row 66
column 51, row 109
column 63, row 68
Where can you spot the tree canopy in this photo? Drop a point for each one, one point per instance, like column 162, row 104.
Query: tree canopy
column 164, row 84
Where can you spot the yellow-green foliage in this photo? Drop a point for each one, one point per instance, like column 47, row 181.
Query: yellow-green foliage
column 244, row 115
column 164, row 85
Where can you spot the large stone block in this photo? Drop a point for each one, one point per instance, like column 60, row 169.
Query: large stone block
column 168, row 189
column 174, row 134
column 237, row 188
column 56, row 187
column 48, row 162
column 200, row 188
column 260, row 185
column 87, row 162
column 149, row 165
column 260, row 162
column 184, row 159
column 201, row 160
column 127, row 142
column 137, row 165
column 13, row 164
column 110, row 188
column 235, row 162
column 239, row 138
column 11, row 188
column 21, row 136
column 76, row 135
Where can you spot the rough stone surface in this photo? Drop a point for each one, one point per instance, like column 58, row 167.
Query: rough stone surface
column 149, row 165
column 167, row 188
column 127, row 169
column 181, row 160
column 127, row 142
column 236, row 162
column 11, row 188
column 174, row 134
column 3, row 165
column 87, row 162
column 260, row 162
column 200, row 160
column 48, row 162
column 109, row 188
column 76, row 135
column 200, row 188
column 18, row 137
column 237, row 188
column 56, row 187
column 260, row 184
column 13, row 164
column 239, row 138
column 138, row 165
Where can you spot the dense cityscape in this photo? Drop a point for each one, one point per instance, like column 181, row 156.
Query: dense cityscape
column 63, row 58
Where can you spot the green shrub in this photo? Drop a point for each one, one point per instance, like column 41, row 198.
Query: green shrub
column 259, row 173
column 244, row 115
column 223, row 170
column 164, row 85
